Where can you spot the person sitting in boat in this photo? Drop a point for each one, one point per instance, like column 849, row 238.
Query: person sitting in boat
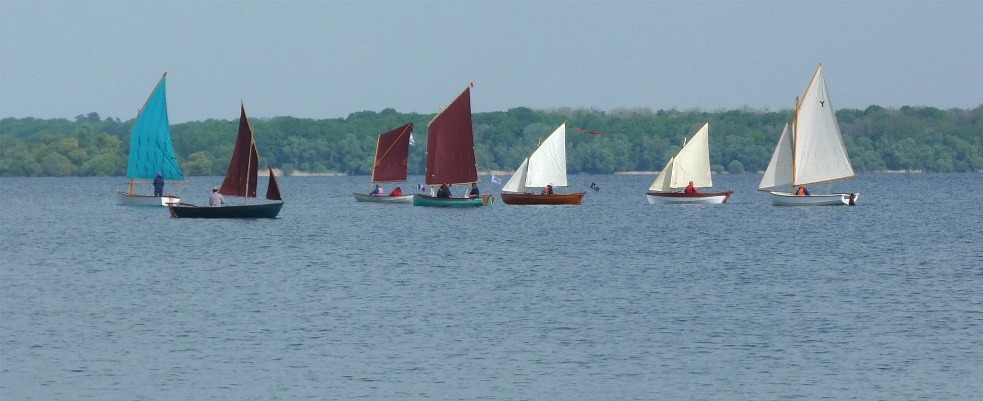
column 548, row 190
column 377, row 191
column 216, row 199
column 474, row 191
column 444, row 191
column 690, row 189
column 159, row 184
column 397, row 192
column 802, row 191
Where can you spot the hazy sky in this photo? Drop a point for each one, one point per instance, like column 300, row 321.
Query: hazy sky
column 321, row 59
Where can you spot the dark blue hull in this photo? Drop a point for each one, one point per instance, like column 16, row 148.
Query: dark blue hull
column 257, row 211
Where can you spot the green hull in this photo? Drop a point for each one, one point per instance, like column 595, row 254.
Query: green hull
column 424, row 200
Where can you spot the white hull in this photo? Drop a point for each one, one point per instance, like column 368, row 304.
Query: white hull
column 678, row 198
column 788, row 199
column 383, row 199
column 659, row 200
column 125, row 199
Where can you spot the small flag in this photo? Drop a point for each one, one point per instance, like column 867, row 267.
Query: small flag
column 496, row 180
column 411, row 139
column 421, row 187
column 594, row 187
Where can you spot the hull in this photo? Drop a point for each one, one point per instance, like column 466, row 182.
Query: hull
column 703, row 198
column 257, row 211
column 788, row 199
column 125, row 199
column 383, row 199
column 534, row 199
column 425, row 200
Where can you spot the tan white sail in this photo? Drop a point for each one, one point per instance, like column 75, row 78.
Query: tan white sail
column 518, row 181
column 547, row 165
column 692, row 163
column 661, row 182
column 818, row 151
column 779, row 171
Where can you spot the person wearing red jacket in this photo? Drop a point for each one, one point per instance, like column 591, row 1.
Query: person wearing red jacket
column 690, row 189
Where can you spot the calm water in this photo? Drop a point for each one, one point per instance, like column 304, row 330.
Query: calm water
column 612, row 300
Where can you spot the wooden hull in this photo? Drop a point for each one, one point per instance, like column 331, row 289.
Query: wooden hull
column 534, row 199
column 788, row 199
column 705, row 198
column 125, row 199
column 257, row 211
column 425, row 200
column 383, row 199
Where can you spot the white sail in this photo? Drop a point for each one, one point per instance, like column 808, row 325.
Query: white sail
column 819, row 153
column 548, row 164
column 779, row 171
column 517, row 182
column 692, row 163
column 661, row 182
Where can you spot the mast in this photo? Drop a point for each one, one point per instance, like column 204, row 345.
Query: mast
column 795, row 137
column 375, row 161
column 249, row 164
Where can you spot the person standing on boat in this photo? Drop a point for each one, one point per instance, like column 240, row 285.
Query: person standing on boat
column 216, row 199
column 690, row 189
column 474, row 191
column 159, row 184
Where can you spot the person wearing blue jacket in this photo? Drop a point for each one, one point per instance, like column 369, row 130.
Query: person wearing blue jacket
column 159, row 185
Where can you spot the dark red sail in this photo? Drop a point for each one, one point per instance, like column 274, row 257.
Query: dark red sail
column 240, row 179
column 272, row 189
column 392, row 152
column 450, row 144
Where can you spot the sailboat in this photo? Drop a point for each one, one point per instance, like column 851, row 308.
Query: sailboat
column 547, row 165
column 450, row 154
column 151, row 151
column 240, row 180
column 392, row 151
column 810, row 151
column 691, row 164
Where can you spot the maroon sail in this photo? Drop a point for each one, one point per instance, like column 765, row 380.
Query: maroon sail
column 240, row 179
column 392, row 152
column 272, row 189
column 450, row 144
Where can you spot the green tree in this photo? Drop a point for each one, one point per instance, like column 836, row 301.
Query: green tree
column 57, row 165
column 103, row 165
column 200, row 163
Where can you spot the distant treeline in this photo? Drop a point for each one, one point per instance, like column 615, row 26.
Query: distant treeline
column 877, row 139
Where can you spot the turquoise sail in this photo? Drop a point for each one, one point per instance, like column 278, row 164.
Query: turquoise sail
column 151, row 149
